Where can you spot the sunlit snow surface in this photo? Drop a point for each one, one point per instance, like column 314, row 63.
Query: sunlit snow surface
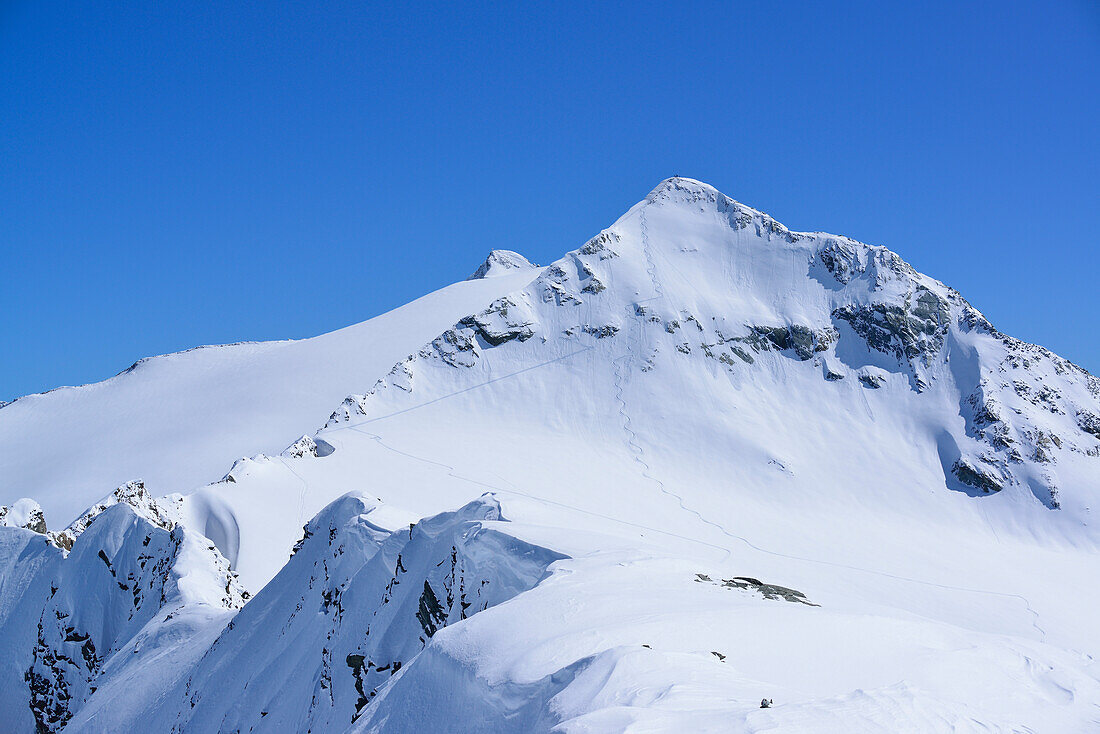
column 699, row 461
column 179, row 420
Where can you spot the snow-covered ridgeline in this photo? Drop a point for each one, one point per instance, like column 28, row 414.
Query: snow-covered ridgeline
column 77, row 615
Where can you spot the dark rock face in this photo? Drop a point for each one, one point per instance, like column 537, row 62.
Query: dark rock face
column 308, row 446
column 1089, row 422
column 61, row 668
column 912, row 332
column 600, row 332
column 840, row 260
column 37, row 523
column 768, row 591
column 456, row 348
column 304, row 446
column 798, row 341
column 846, row 259
column 874, row 382
column 430, row 612
column 601, row 245
column 499, row 323
column 802, row 340
column 975, row 477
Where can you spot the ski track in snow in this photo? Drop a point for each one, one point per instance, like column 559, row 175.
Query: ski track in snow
column 622, row 365
column 452, row 472
column 301, row 495
column 650, row 266
column 468, row 389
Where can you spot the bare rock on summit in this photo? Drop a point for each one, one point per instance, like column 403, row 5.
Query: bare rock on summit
column 23, row 513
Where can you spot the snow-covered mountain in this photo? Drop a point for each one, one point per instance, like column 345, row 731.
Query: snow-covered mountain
column 699, row 461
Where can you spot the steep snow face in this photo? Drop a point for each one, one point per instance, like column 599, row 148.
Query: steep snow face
column 179, row 420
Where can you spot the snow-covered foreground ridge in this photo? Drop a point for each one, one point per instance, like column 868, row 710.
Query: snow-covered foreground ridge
column 700, row 461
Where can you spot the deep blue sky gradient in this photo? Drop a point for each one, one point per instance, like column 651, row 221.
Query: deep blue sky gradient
column 175, row 174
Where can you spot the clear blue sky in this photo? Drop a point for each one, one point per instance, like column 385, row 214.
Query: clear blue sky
column 175, row 174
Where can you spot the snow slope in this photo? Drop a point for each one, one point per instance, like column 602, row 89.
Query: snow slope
column 700, row 461
column 178, row 421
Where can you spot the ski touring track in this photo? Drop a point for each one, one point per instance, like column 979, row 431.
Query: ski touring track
column 301, row 495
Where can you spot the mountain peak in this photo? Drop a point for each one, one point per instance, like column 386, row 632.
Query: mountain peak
column 681, row 183
column 680, row 189
column 502, row 262
column 692, row 192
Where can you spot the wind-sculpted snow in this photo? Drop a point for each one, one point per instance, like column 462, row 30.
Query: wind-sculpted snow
column 355, row 605
column 88, row 618
column 23, row 513
column 737, row 463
